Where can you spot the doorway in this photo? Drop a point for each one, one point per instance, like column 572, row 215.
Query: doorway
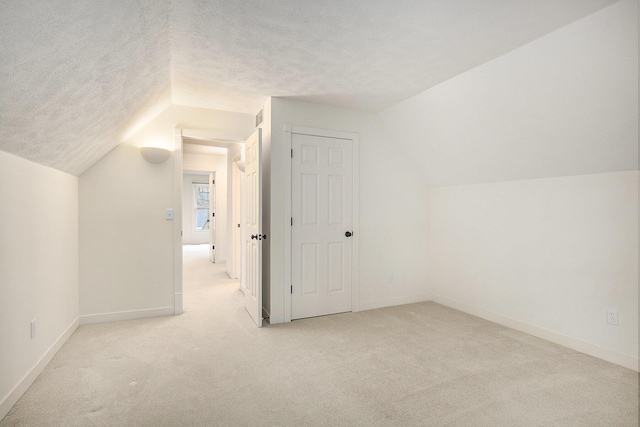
column 194, row 154
column 198, row 208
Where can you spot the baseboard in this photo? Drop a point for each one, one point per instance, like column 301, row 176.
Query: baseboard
column 270, row 318
column 178, row 304
column 594, row 350
column 389, row 302
column 89, row 319
column 14, row 395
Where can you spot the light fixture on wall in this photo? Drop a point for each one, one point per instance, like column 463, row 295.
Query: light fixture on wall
column 154, row 154
column 241, row 162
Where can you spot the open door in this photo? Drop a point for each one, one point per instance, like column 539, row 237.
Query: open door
column 212, row 217
column 253, row 225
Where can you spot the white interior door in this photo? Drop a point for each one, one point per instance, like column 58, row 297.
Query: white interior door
column 212, row 217
column 322, row 220
column 253, row 227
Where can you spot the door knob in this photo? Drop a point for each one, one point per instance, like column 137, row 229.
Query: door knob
column 348, row 234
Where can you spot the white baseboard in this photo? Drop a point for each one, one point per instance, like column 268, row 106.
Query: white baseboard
column 272, row 319
column 389, row 302
column 14, row 395
column 178, row 304
column 229, row 275
column 594, row 350
column 126, row 315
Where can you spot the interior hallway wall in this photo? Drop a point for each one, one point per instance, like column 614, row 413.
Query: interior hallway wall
column 38, row 270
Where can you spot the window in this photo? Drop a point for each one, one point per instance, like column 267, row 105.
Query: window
column 201, row 203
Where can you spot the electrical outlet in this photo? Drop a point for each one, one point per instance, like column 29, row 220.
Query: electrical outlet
column 612, row 316
column 32, row 326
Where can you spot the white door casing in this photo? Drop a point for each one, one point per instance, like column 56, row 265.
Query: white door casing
column 253, row 227
column 236, row 220
column 212, row 217
column 322, row 208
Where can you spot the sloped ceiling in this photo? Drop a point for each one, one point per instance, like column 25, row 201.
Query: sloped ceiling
column 74, row 75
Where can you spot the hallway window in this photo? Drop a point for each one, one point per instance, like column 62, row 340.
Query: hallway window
column 201, row 206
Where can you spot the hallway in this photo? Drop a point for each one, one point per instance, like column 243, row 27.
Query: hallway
column 207, row 288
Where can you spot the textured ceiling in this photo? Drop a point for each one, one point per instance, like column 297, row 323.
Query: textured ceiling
column 74, row 75
column 367, row 55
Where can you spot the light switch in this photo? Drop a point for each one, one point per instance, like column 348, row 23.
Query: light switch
column 169, row 213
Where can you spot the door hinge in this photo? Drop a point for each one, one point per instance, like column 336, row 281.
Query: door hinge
column 213, row 214
column 291, row 220
column 213, row 247
column 292, row 153
column 213, row 182
column 291, row 289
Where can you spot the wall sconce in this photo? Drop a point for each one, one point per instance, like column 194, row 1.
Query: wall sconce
column 241, row 163
column 154, row 154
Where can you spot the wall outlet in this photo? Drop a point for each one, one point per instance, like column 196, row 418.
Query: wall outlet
column 33, row 328
column 612, row 316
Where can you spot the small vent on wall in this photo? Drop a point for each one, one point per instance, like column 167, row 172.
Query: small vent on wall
column 259, row 117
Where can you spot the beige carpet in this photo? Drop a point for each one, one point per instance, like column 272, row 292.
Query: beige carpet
column 414, row 365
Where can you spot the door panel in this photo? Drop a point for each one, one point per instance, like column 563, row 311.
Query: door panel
column 322, row 209
column 253, row 227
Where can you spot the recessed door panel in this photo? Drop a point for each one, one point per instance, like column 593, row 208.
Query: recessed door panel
column 336, row 267
column 310, row 199
column 310, row 155
column 336, row 200
column 336, row 156
column 310, row 258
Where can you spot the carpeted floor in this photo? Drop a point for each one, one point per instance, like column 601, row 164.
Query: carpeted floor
column 413, row 365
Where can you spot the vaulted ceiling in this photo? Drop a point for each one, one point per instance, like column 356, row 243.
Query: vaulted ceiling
column 75, row 75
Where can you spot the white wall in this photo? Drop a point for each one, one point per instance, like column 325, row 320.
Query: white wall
column 126, row 244
column 38, row 270
column 392, row 206
column 204, row 162
column 189, row 235
column 566, row 104
column 533, row 218
column 553, row 254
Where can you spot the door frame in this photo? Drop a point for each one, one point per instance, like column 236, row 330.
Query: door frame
column 178, row 135
column 353, row 137
column 213, row 230
column 178, row 300
column 235, row 246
